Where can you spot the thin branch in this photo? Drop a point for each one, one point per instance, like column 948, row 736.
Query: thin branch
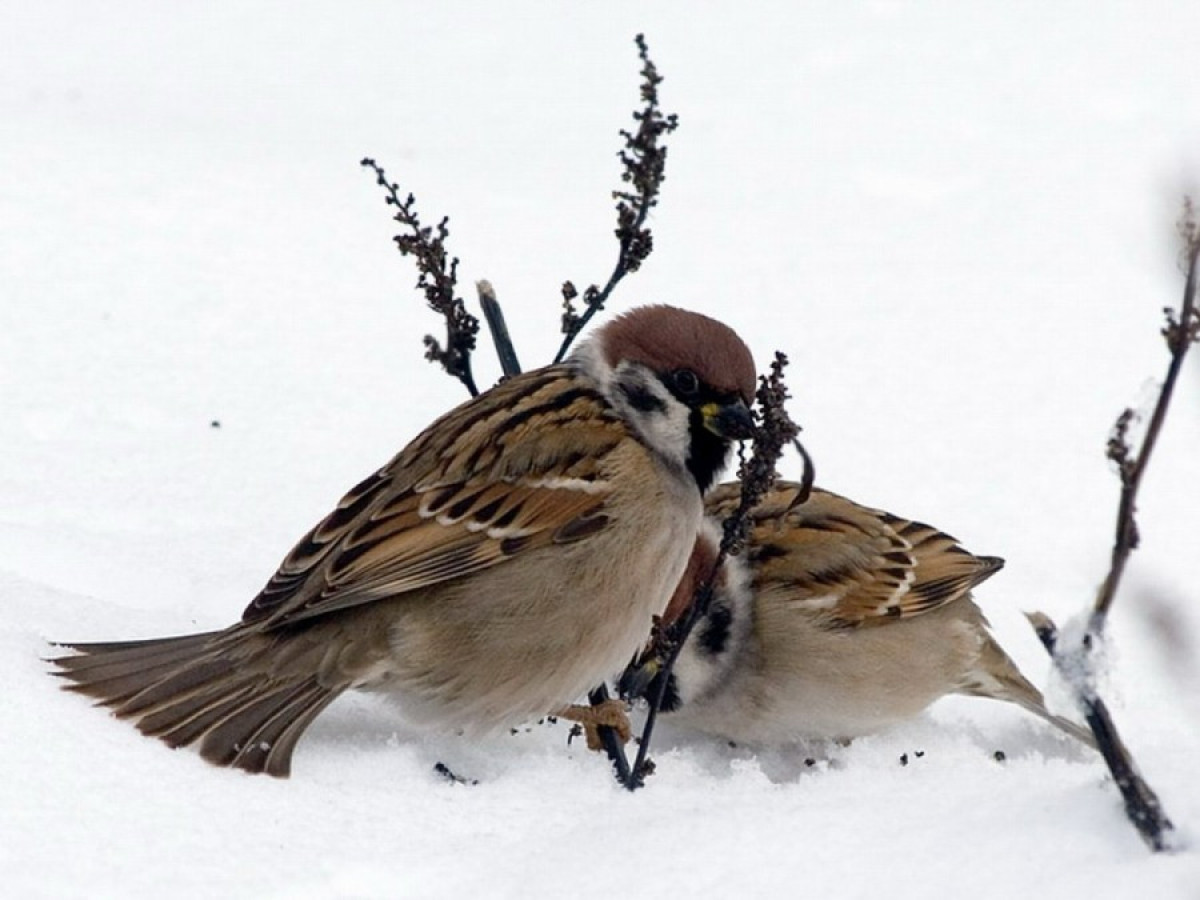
column 437, row 279
column 643, row 161
column 1142, row 805
column 806, row 480
column 1180, row 332
column 505, row 352
column 611, row 741
column 774, row 432
column 1077, row 663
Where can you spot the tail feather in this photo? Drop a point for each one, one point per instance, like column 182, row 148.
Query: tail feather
column 218, row 688
column 103, row 652
column 279, row 759
column 250, row 739
column 181, row 687
column 115, row 687
column 240, row 731
column 178, row 728
column 999, row 679
column 1038, row 708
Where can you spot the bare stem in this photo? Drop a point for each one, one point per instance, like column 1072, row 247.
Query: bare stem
column 613, row 747
column 643, row 161
column 437, row 278
column 774, row 432
column 1180, row 333
column 1142, row 806
column 505, row 352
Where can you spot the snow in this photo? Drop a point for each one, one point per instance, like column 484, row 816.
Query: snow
column 956, row 219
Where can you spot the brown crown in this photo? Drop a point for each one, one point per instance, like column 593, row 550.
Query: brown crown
column 666, row 338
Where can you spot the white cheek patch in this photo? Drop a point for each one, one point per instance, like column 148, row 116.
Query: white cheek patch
column 660, row 419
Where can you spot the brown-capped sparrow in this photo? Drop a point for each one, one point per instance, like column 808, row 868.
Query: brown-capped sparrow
column 503, row 563
column 837, row 621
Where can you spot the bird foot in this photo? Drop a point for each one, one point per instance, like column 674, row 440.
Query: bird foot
column 611, row 713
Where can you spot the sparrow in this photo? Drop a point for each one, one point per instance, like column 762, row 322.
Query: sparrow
column 837, row 621
column 507, row 560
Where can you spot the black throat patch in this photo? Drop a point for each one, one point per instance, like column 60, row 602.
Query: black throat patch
column 707, row 452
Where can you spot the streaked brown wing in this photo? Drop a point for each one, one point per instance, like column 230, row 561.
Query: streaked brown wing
column 519, row 467
column 850, row 565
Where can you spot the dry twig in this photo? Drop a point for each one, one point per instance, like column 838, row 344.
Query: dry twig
column 437, row 279
column 775, row 431
column 1077, row 664
column 498, row 328
column 1142, row 805
column 1181, row 330
column 643, row 161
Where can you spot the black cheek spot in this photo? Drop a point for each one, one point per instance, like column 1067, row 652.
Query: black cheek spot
column 641, row 398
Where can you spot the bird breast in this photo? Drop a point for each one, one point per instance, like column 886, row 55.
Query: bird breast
column 520, row 640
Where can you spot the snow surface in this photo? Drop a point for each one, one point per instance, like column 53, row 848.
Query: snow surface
column 956, row 218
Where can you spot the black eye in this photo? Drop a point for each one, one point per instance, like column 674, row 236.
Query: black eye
column 686, row 382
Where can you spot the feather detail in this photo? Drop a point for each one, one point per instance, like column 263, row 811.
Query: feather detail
column 849, row 565
column 523, row 466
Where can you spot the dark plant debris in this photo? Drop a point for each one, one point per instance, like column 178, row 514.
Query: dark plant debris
column 1077, row 663
column 774, row 431
column 437, row 278
column 446, row 772
column 643, row 168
